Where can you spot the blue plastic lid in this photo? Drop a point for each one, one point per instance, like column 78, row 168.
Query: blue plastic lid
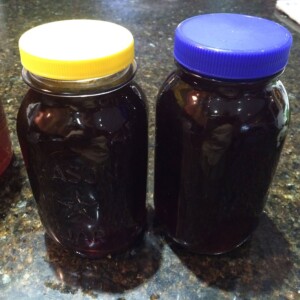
column 232, row 46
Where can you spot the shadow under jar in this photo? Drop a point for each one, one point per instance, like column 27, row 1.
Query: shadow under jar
column 84, row 143
column 221, row 123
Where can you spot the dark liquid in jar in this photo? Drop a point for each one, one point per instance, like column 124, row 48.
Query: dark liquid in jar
column 6, row 152
column 218, row 146
column 87, row 161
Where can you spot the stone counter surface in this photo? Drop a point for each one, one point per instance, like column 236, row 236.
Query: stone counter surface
column 33, row 267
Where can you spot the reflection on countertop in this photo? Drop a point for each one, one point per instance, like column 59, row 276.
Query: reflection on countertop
column 34, row 267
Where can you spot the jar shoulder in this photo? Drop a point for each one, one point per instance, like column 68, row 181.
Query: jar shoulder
column 106, row 113
column 132, row 92
column 193, row 98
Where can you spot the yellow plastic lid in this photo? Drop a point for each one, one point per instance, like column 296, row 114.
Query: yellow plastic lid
column 76, row 49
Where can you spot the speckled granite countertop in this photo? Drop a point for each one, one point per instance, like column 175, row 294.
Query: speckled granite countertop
column 32, row 267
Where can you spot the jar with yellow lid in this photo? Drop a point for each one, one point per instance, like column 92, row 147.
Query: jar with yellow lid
column 82, row 128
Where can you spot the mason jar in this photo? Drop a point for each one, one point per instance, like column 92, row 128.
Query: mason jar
column 82, row 127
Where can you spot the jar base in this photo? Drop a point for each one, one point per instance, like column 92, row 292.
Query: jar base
column 206, row 251
column 100, row 253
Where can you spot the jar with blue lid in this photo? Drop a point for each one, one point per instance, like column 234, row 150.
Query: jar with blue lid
column 222, row 119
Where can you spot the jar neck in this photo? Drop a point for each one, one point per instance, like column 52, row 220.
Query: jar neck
column 89, row 87
column 199, row 79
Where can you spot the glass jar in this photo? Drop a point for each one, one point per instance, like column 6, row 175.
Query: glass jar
column 6, row 152
column 82, row 128
column 221, row 122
